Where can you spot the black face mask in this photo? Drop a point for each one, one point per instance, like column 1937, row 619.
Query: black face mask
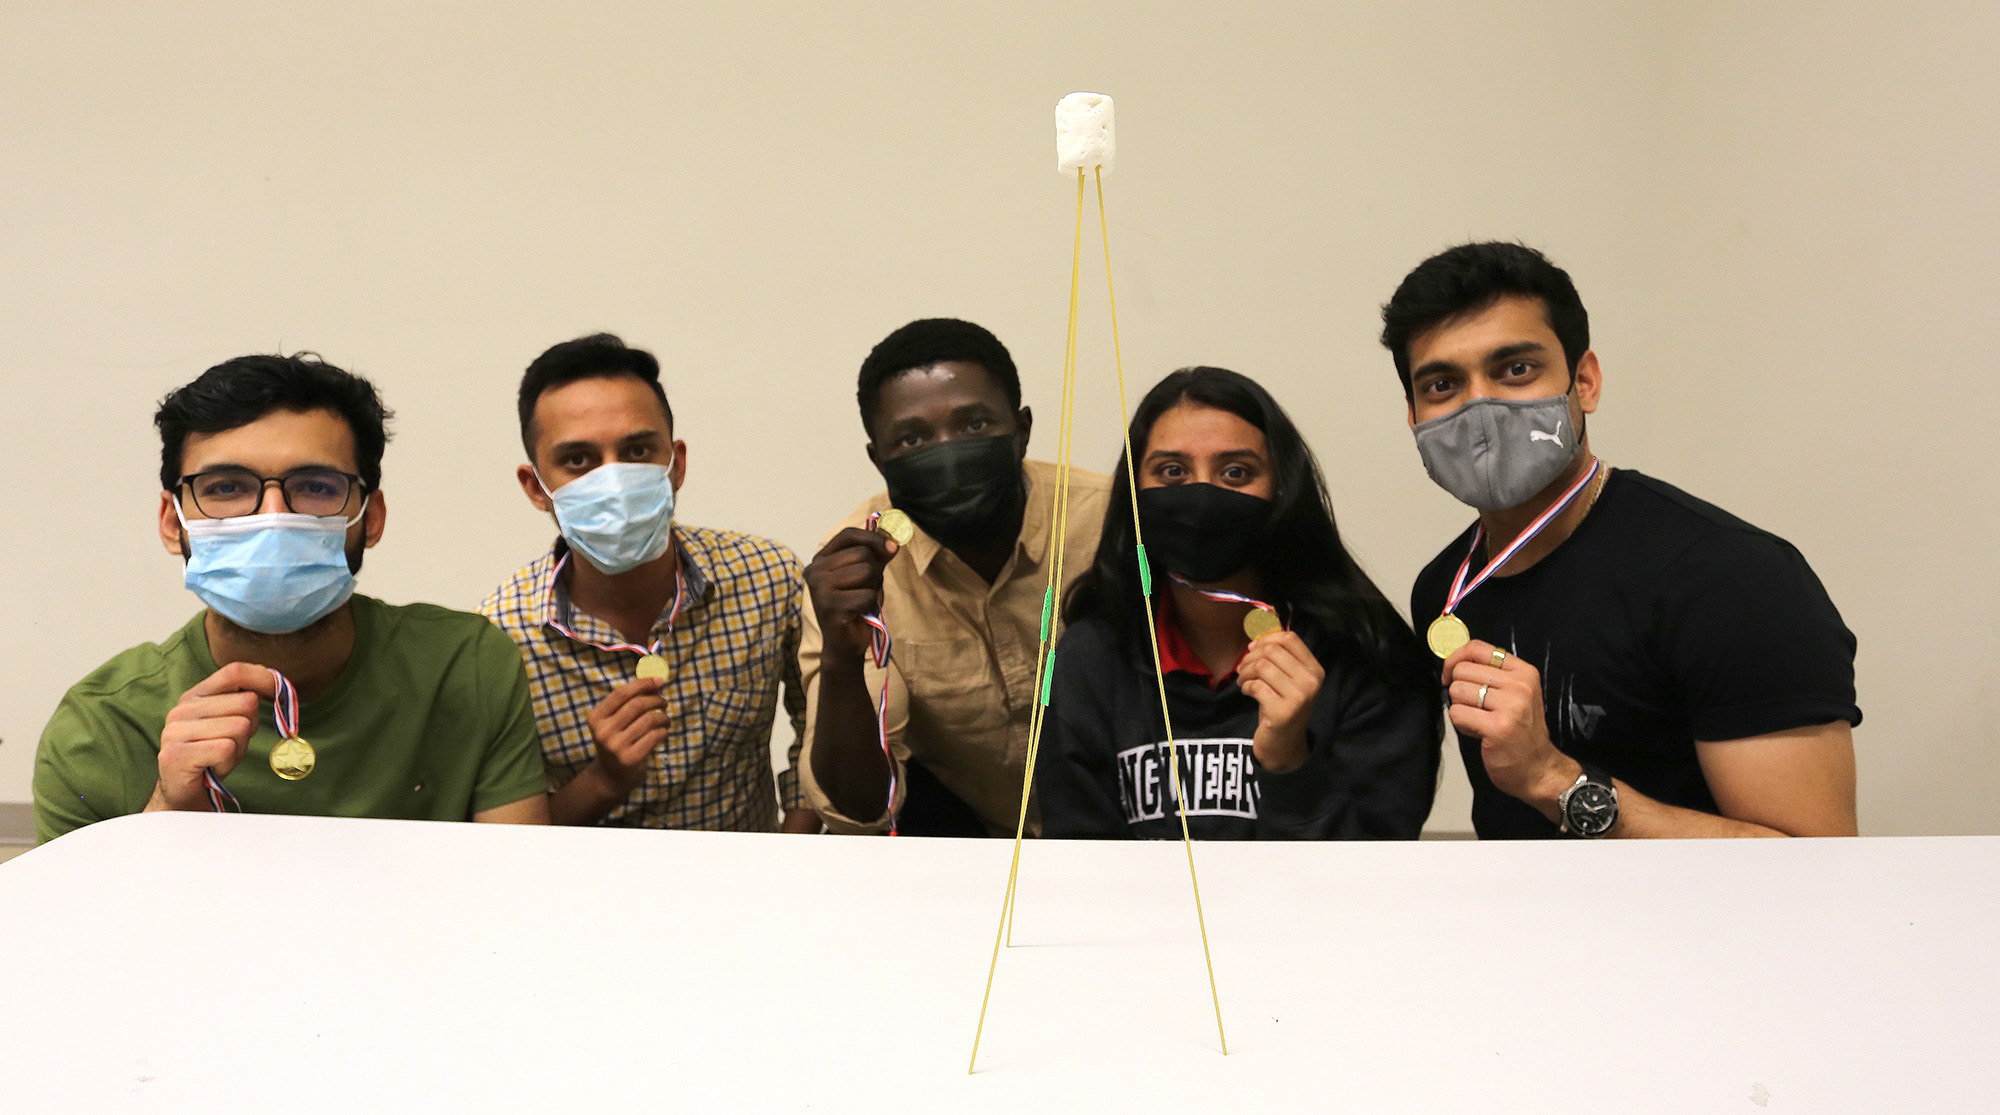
column 1200, row 531
column 964, row 493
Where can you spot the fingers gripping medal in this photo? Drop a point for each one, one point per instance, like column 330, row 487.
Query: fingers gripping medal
column 1261, row 621
column 1447, row 633
column 292, row 758
column 896, row 525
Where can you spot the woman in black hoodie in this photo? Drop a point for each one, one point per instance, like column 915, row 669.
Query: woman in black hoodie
column 1327, row 728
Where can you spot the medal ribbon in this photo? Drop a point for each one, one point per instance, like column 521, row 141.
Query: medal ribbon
column 1460, row 589
column 1224, row 595
column 878, row 649
column 284, row 710
column 673, row 617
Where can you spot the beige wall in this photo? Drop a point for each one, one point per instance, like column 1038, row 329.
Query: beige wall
column 1777, row 214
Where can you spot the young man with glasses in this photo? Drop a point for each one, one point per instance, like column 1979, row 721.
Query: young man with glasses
column 288, row 693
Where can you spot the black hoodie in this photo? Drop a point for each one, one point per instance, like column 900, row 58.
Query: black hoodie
column 1370, row 770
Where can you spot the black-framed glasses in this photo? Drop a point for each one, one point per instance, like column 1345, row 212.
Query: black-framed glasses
column 225, row 493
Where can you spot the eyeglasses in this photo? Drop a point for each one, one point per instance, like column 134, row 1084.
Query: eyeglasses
column 224, row 493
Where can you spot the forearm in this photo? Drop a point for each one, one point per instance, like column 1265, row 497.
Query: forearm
column 1640, row 817
column 847, row 758
column 586, row 799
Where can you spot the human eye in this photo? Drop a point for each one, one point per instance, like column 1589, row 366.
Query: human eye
column 224, row 486
column 1436, row 387
column 978, row 425
column 1239, row 475
column 320, row 485
column 637, row 453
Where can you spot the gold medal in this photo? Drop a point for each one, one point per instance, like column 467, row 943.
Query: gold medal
column 653, row 666
column 292, row 759
column 896, row 525
column 1447, row 633
column 1260, row 622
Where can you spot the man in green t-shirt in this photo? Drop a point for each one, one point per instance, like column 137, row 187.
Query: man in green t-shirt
column 271, row 469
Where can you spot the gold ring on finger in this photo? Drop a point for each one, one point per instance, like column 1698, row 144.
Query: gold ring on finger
column 1499, row 656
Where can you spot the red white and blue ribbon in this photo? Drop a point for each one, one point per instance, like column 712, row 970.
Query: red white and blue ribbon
column 878, row 649
column 218, row 796
column 1460, row 589
column 285, row 707
column 659, row 645
column 1223, row 594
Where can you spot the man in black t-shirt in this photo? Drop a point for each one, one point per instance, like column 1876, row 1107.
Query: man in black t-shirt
column 1637, row 662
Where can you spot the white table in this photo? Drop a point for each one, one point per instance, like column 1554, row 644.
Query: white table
column 244, row 963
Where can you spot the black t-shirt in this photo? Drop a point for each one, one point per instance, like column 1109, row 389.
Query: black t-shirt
column 1104, row 769
column 1661, row 621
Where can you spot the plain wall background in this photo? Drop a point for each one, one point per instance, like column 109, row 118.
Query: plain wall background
column 1780, row 216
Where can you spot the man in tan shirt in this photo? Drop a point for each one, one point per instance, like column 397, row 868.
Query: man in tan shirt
column 941, row 403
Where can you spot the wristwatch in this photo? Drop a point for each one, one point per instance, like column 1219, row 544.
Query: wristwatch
column 1590, row 806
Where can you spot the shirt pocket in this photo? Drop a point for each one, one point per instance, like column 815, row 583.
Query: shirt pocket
column 952, row 685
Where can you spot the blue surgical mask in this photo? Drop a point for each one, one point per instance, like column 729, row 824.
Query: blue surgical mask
column 270, row 573
column 619, row 516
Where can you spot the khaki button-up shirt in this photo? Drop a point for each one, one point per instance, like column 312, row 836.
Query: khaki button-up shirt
column 961, row 675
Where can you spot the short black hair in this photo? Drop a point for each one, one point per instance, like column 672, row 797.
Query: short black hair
column 598, row 356
column 933, row 340
column 1465, row 280
column 238, row 392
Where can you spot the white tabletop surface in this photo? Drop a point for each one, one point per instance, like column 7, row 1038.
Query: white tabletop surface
column 243, row 963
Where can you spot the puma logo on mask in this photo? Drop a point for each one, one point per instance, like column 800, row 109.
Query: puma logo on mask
column 1537, row 435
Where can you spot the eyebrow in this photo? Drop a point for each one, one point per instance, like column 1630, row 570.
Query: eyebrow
column 214, row 465
column 1177, row 454
column 1508, row 352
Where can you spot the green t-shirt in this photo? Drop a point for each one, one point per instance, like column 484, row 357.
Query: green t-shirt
column 430, row 720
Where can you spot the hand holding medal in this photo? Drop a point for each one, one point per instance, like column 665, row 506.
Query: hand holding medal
column 630, row 723
column 844, row 582
column 208, row 732
column 1280, row 673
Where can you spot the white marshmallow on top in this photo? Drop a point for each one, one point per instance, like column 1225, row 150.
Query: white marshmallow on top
column 1084, row 140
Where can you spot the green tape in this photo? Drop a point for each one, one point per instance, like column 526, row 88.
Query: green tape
column 1048, row 677
column 1145, row 573
column 1048, row 610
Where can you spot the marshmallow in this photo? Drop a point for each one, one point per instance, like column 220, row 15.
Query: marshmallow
column 1083, row 133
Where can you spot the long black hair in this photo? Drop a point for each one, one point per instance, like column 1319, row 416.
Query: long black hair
column 1301, row 563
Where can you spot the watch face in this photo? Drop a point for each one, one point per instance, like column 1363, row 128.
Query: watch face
column 1592, row 809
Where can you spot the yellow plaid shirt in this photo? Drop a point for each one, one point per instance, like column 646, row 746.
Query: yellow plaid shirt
column 735, row 645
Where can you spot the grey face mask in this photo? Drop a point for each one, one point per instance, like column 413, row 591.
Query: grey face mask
column 1497, row 453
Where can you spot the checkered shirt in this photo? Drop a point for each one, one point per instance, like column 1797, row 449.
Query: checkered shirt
column 735, row 643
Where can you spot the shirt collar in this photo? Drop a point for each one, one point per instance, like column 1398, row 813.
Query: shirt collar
column 558, row 608
column 1176, row 656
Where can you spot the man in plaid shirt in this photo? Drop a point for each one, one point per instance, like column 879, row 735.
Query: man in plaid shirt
column 656, row 651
